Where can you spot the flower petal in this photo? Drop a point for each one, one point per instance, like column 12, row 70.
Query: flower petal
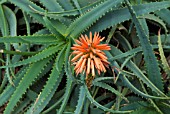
column 77, row 56
column 92, row 67
column 88, row 66
column 83, row 64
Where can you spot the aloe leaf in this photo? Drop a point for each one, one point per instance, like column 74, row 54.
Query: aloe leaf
column 144, row 110
column 144, row 26
column 132, row 51
column 27, row 7
column 59, row 25
column 165, row 107
column 99, row 105
column 8, row 91
column 30, row 76
column 120, row 15
column 90, row 17
column 3, row 1
column 156, row 19
column 66, row 4
column 34, row 39
column 52, row 28
column 27, row 22
column 83, row 3
column 166, row 67
column 73, row 12
column 77, row 5
column 165, row 40
column 67, row 61
column 53, row 106
column 108, row 87
column 5, row 32
column 52, row 5
column 135, row 90
column 81, row 101
column 164, row 15
column 60, row 58
column 69, row 87
column 149, row 56
column 154, row 105
column 17, row 52
column 130, row 65
column 22, row 106
column 41, row 55
column 11, row 19
column 123, row 41
column 102, row 79
column 135, row 105
column 47, row 93
column 30, row 8
column 3, row 23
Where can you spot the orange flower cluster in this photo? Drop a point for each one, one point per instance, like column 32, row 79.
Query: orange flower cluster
column 89, row 55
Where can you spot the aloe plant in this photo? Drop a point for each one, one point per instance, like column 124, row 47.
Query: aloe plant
column 36, row 73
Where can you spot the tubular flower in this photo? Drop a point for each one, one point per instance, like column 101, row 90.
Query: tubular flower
column 89, row 55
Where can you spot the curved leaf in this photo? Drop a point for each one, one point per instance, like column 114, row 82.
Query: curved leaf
column 90, row 17
column 99, row 105
column 42, row 55
column 47, row 93
column 81, row 101
column 120, row 15
column 31, row 74
column 149, row 56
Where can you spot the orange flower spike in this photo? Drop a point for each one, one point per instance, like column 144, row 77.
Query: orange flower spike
column 76, row 45
column 103, row 47
column 79, row 63
column 105, row 61
column 88, row 66
column 86, row 55
column 83, row 40
column 77, row 56
column 87, row 39
column 74, row 48
column 102, row 39
column 76, row 52
column 93, row 50
column 92, row 67
column 101, row 56
column 79, row 49
column 78, row 42
column 96, row 62
column 91, row 38
column 82, row 44
column 89, row 55
column 102, row 66
column 82, row 65
column 77, row 71
column 95, row 38
column 96, row 43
